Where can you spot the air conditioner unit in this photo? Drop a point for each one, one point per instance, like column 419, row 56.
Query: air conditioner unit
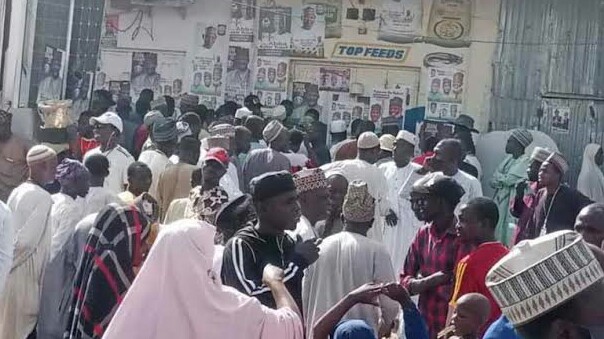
column 163, row 3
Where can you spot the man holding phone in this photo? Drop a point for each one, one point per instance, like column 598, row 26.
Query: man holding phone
column 107, row 129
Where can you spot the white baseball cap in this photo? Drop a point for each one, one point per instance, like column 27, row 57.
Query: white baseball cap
column 108, row 118
column 242, row 113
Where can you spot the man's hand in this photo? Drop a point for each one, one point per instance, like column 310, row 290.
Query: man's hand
column 366, row 294
column 391, row 219
column 271, row 275
column 520, row 189
column 308, row 250
column 437, row 279
column 397, row 293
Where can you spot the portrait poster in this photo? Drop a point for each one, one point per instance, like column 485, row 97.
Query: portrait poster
column 113, row 66
column 110, row 31
column 207, row 66
column 271, row 74
column 143, row 74
column 560, row 119
column 396, row 105
column 238, row 83
column 270, row 99
column 446, row 87
column 119, row 89
column 171, row 66
column 50, row 85
column 243, row 19
column 334, row 79
column 308, row 29
column 210, row 101
column 400, row 20
column 298, row 92
column 79, row 90
column 450, row 23
column 333, row 16
column 378, row 105
column 274, row 31
column 342, row 110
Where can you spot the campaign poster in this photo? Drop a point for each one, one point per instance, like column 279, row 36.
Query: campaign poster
column 110, row 31
column 445, row 92
column 308, row 29
column 400, row 20
column 298, row 92
column 238, row 82
column 333, row 16
column 210, row 101
column 119, row 89
column 334, row 79
column 342, row 110
column 207, row 64
column 378, row 105
column 50, row 86
column 271, row 74
column 443, row 110
column 113, row 66
column 306, row 96
column 243, row 16
column 269, row 98
column 561, row 119
column 144, row 73
column 275, row 31
column 450, row 23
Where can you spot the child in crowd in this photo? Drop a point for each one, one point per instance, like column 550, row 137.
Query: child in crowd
column 470, row 315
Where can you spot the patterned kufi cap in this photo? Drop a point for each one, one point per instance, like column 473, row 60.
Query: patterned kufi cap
column 540, row 154
column 310, row 179
column 559, row 162
column 272, row 131
column 359, row 205
column 523, row 136
column 541, row 274
column 226, row 130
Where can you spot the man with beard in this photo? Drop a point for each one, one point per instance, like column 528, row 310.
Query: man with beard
column 51, row 86
column 239, row 76
column 311, row 101
column 253, row 247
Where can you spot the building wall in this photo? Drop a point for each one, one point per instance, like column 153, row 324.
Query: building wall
column 173, row 31
column 550, row 58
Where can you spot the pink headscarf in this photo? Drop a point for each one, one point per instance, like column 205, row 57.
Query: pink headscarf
column 177, row 295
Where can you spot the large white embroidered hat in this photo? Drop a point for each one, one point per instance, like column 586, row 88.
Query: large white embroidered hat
column 541, row 274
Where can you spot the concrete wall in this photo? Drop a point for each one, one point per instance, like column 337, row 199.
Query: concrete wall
column 173, row 31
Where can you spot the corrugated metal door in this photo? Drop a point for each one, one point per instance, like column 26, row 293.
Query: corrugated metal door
column 551, row 51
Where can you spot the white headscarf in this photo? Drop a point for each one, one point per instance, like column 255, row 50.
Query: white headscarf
column 591, row 179
column 177, row 295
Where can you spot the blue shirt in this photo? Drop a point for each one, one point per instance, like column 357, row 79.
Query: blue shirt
column 501, row 329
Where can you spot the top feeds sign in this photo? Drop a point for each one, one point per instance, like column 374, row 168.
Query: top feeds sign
column 383, row 54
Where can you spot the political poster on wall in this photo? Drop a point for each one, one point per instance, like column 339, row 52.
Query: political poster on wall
column 388, row 103
column 275, row 31
column 450, row 23
column 110, row 31
column 333, row 16
column 171, row 66
column 243, row 20
column 269, row 98
column 342, row 110
column 306, row 96
column 400, row 20
column 113, row 66
column 334, row 79
column 144, row 73
column 445, row 92
column 239, row 75
column 207, row 64
column 308, row 29
column 271, row 74
column 119, row 89
column 560, row 119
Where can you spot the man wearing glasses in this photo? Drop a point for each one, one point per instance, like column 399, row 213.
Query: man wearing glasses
column 107, row 130
column 436, row 249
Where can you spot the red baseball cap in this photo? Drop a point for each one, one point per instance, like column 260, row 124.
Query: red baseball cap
column 218, row 154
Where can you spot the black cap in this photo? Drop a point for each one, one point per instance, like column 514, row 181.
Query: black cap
column 271, row 185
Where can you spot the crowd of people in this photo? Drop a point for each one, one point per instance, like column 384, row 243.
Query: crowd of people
column 160, row 220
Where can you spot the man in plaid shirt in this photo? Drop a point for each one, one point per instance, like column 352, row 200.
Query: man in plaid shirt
column 436, row 249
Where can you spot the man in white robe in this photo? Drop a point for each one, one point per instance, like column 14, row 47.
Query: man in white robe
column 401, row 174
column 448, row 154
column 31, row 206
column 363, row 168
column 348, row 260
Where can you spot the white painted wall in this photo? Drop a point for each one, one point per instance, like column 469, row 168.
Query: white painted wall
column 173, row 31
